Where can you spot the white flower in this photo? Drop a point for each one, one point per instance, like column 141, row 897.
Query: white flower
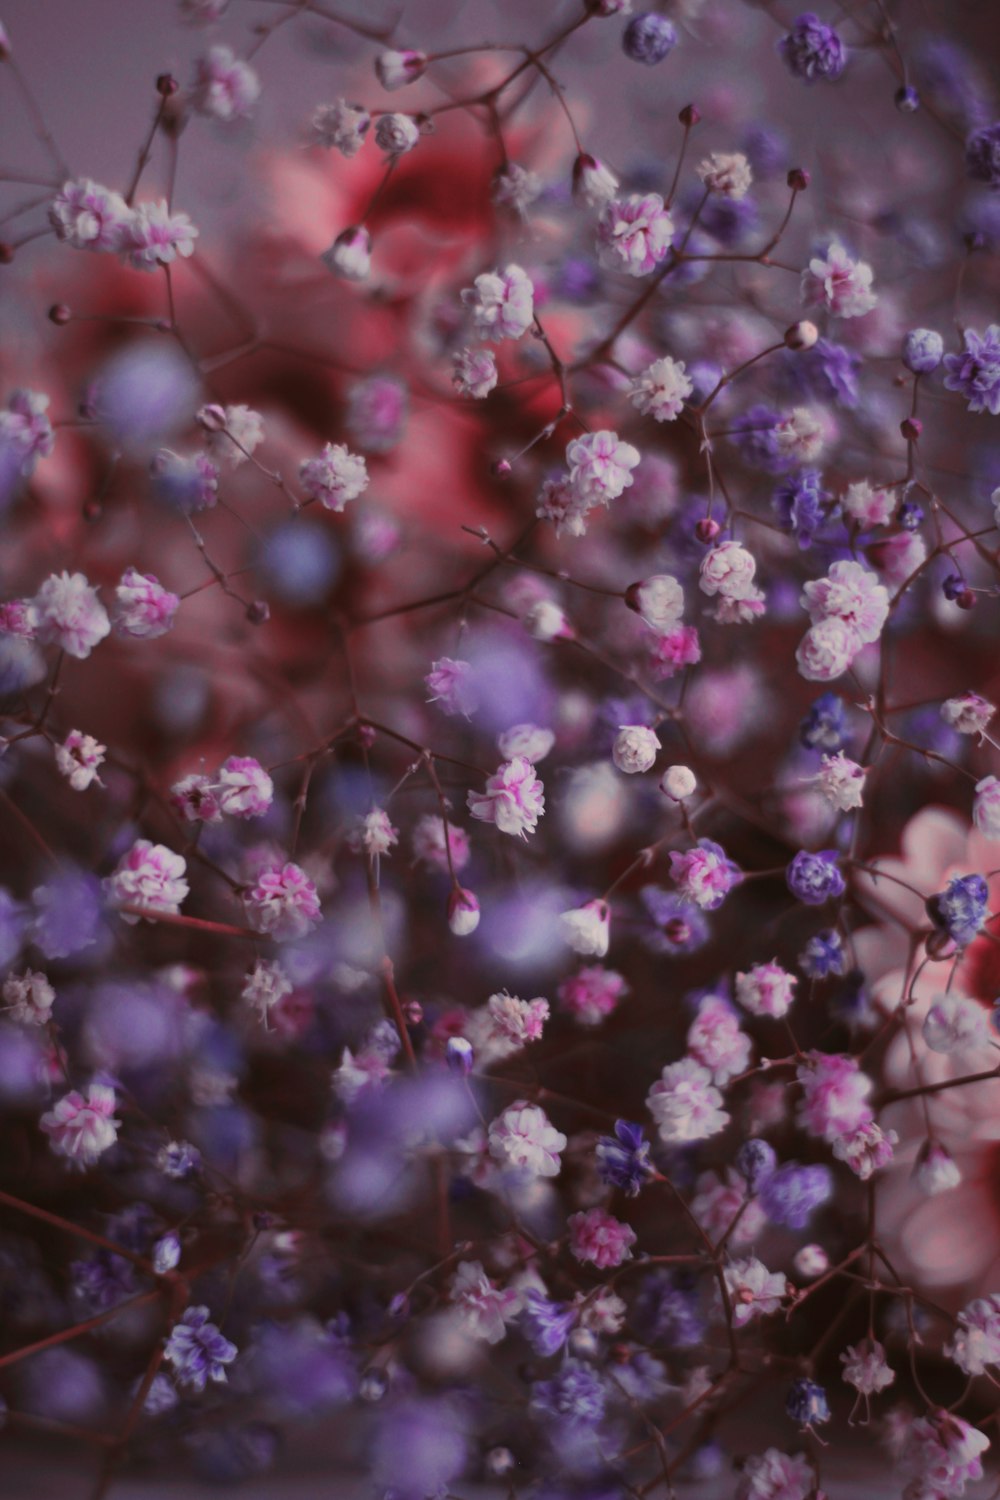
column 546, row 621
column 726, row 172
column 634, row 749
column 727, row 569
column 524, row 1137
column 527, row 740
column 634, row 233
column 594, row 183
column 866, row 1369
column 968, row 714
column 225, row 87
column 600, row 466
column 232, row 444
column 754, row 1291
column 657, row 600
column 70, row 615
column 868, row 504
column 842, row 781
column 678, row 783
column 685, row 1103
column 350, row 255
column 79, row 758
column 335, row 478
column 88, row 216
column 587, row 929
column 28, row 998
column 516, row 187
column 841, row 283
column 986, row 807
column 395, row 69
column 827, row 650
column 801, row 435
column 502, row 303
column 474, row 372
column 774, row 1475
column 976, row 1343
column 341, row 126
column 955, row 1024
column 396, row 134
column 936, row 1170
column 661, row 389
column 374, row 833
column 264, row 986
column 485, row 1309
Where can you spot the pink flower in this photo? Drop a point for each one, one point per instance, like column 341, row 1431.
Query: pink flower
column 452, row 686
column 592, row 993
column 283, row 903
column 334, row 478
column 704, row 874
column 527, row 740
column 154, row 236
column 70, row 615
column 802, row 435
column 143, row 607
column 502, row 303
column 232, row 433
column 941, row 1453
column 514, row 798
column 225, row 88
column 559, row 503
column 25, row 428
column 661, row 390
column 898, row 557
column 88, row 216
column 868, row 505
column 774, row 1475
column 715, row 1040
column 524, row 1137
column 849, row 593
column 968, row 714
column 727, row 569
column 429, row 842
column 841, row 283
column 835, row 1096
column 374, row 834
column 485, row 1309
column 150, row 876
column 597, row 1238
column 634, row 233
column 842, row 781
column 685, row 1104
column 79, row 758
column 82, row 1129
column 718, row 1205
column 727, row 173
column 474, row 372
column 678, row 648
column 827, row 650
column 600, row 466
column 766, row 989
column 196, row 799
column 516, row 1020
column 865, row 1149
column 245, row 789
column 28, row 998
column 754, row 1291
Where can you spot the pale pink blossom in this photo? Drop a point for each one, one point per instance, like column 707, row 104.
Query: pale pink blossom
column 968, row 714
column 898, row 557
column 634, row 233
column 866, row 1149
column 715, row 1040
column 842, row 781
column 517, row 1020
column 513, row 798
column 149, row 876
column 835, row 1095
column 373, row 834
column 840, row 283
column 801, row 435
column 155, row 235
column 463, row 912
column 502, row 303
column 359, row 1072
column 936, row 1170
column 19, row 617
column 685, row 1103
column 598, row 1239
column 827, row 650
column 283, row 903
column 868, row 504
column 196, row 798
column 88, row 216
column 429, row 844
column 703, row 874
column 225, row 87
column 941, row 1454
column 592, row 993
column 524, row 1137
column 452, row 686
column 720, row 1204
column 976, row 1342
column 336, row 477
column 79, row 758
column 766, row 989
column 265, row 985
column 594, row 183
column 754, row 1291
column 560, row 503
column 600, row 466
column 587, row 928
column 516, row 187
column 773, row 1475
column 727, row 569
column 25, row 430
column 474, row 372
column 956, row 1024
column 727, row 173
column 485, row 1308
column 658, row 600
column 546, row 621
column 634, row 749
column 866, row 1368
column 82, row 1129
column 742, row 611
column 661, row 390
column 70, row 615
column 245, row 788
column 28, row 998
column 394, row 69
column 144, row 609
column 678, row 783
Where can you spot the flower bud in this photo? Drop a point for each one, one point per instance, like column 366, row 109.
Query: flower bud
column 593, row 182
column 259, row 612
column 798, row 179
column 463, row 912
column 678, row 782
column 801, row 335
column 911, row 428
column 59, row 314
column 396, row 69
column 166, row 85
column 689, row 115
column 459, row 1055
column 707, row 530
column 350, row 255
column 907, row 100
column 211, row 418
column 811, row 1261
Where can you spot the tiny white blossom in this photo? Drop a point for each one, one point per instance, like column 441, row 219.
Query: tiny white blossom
column 28, row 998
column 524, row 1137
column 634, row 749
column 727, row 173
column 661, row 389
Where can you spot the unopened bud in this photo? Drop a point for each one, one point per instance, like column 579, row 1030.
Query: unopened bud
column 707, row 530
column 911, row 428
column 801, row 335
column 59, row 314
column 259, row 612
column 211, row 418
column 689, row 115
column 459, row 1055
column 463, row 912
column 678, row 782
column 166, row 85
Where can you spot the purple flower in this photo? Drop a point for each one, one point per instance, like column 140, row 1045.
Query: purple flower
column 825, row 725
column 198, row 1351
column 790, row 1194
column 807, row 1403
column 923, row 349
column 666, row 1312
column 823, row 955
column 961, row 908
column 799, row 504
column 546, row 1325
column 576, row 1394
column 832, row 370
column 975, row 373
column 812, row 50
column 678, row 925
column 815, row 878
column 982, row 155
column 755, row 1162
column 623, row 1161
column 101, row 1281
column 649, row 38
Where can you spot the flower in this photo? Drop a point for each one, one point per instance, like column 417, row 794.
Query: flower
column 723, row 1208
column 341, row 126
column 866, row 1368
column 955, row 1024
column 224, row 87
column 265, row 986
column 591, row 994
column 463, row 912
column 524, row 1137
column 546, row 1325
column 851, row 594
column 923, row 349
column 350, row 255
column 766, row 989
column 594, row 183
column 634, row 749
column 773, row 1475
column 661, row 389
column 867, row 504
column 623, row 1159
column 186, row 482
column 704, row 874
column 754, row 1291
column 144, row 609
column 283, row 903
column 474, row 372
column 452, row 686
column 982, row 155
column 598, row 1239
column 658, row 600
column 815, row 878
column 841, row 283
column 634, row 233
column 727, row 173
column 196, row 799
column 502, row 303
column 600, row 466
column 728, row 570
column 941, row 1453
column 790, row 1194
column 975, row 373
column 685, row 1104
column 842, row 781
column 70, row 615
column 976, row 1344
column 430, row 846
column 396, row 134
column 88, row 216
column 28, row 998
column 197, row 1350
column 968, row 714
column 812, row 50
column 678, row 783
column 576, row 1395
column 485, row 1309
column 336, row 477
column 827, row 650
column 395, row 69
column 587, row 929
column 648, row 38
column 232, row 433
column 513, row 799
column 678, row 648
column 244, row 788
column 715, row 1040
column 150, row 876
column 516, row 187
column 79, row 759
column 835, row 1096
column 82, row 1129
column 960, row 909
column 527, row 740
column 154, row 236
column 806, row 1403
